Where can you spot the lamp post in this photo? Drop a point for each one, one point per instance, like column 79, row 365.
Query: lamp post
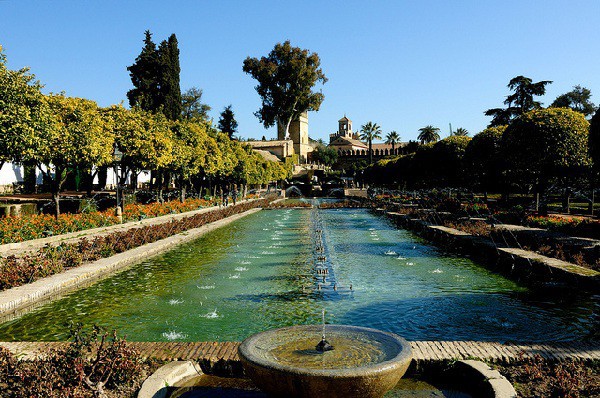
column 117, row 157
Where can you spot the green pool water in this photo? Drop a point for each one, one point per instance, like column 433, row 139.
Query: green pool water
column 259, row 273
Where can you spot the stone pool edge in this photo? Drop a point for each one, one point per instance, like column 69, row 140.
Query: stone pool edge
column 21, row 297
column 516, row 264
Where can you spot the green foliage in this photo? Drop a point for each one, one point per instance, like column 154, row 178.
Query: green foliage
column 59, row 134
column 285, row 81
column 392, row 138
column 192, row 106
column 325, row 155
column 524, row 91
column 519, row 102
column 227, row 122
column 370, row 131
column 144, row 75
column 77, row 137
column 577, row 99
column 545, row 143
column 23, row 113
column 447, row 159
column 439, row 164
column 155, row 77
column 460, row 132
column 17, row 271
column 429, row 134
column 482, row 157
column 169, row 70
column 93, row 364
column 594, row 139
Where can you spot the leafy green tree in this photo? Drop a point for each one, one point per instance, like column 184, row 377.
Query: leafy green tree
column 77, row 138
column 285, row 81
column 447, row 160
column 546, row 143
column 520, row 101
column 143, row 138
column 411, row 147
column 370, row 131
column 460, row 132
column 190, row 153
column 524, row 90
column 169, row 70
column 429, row 134
column 500, row 116
column 155, row 77
column 577, row 99
column 23, row 112
column 192, row 106
column 483, row 161
column 325, row 155
column 144, row 75
column 392, row 138
column 227, row 122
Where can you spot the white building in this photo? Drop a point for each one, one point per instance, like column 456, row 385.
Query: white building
column 11, row 174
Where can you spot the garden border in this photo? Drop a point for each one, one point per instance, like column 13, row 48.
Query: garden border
column 18, row 248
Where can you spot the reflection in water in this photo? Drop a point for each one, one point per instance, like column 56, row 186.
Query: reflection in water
column 237, row 280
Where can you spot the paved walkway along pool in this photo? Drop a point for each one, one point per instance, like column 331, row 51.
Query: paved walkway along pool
column 213, row 354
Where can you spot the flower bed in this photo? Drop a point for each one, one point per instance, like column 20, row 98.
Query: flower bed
column 344, row 204
column 535, row 377
column 290, row 203
column 19, row 229
column 574, row 226
column 17, row 271
column 478, row 228
column 95, row 364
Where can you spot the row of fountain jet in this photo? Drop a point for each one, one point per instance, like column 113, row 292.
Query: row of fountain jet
column 324, row 274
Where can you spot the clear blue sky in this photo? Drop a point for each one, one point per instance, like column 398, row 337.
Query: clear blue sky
column 401, row 64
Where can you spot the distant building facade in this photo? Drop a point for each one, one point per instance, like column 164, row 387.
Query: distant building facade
column 345, row 139
column 297, row 144
column 347, row 142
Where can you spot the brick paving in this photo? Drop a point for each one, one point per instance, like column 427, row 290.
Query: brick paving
column 224, row 354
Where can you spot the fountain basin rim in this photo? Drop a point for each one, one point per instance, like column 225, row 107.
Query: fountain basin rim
column 404, row 354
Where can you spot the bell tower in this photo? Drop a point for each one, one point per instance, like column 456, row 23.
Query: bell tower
column 345, row 127
column 298, row 135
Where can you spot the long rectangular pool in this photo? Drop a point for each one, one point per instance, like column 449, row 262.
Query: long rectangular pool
column 283, row 267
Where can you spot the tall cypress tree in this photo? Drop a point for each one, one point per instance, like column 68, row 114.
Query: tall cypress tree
column 227, row 122
column 144, row 75
column 170, row 90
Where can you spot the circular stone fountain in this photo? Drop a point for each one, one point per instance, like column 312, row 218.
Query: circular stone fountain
column 364, row 362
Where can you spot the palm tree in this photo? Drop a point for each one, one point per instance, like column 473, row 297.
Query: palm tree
column 428, row 134
column 392, row 138
column 461, row 131
column 370, row 131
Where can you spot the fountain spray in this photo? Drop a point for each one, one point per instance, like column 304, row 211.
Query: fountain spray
column 323, row 344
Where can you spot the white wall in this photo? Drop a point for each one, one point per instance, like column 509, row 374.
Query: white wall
column 143, row 177
column 10, row 173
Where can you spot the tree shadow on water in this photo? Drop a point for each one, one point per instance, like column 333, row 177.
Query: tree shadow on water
column 477, row 316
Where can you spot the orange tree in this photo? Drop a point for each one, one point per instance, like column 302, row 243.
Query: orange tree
column 77, row 137
column 482, row 159
column 544, row 144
